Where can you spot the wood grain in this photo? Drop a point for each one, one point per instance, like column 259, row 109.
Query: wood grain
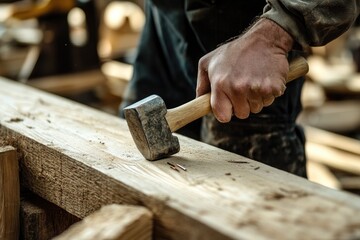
column 112, row 222
column 330, row 139
column 41, row 220
column 333, row 157
column 9, row 194
column 80, row 159
column 70, row 84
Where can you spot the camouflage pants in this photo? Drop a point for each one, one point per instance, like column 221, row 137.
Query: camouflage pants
column 279, row 145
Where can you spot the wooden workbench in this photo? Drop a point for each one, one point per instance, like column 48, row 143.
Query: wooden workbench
column 80, row 159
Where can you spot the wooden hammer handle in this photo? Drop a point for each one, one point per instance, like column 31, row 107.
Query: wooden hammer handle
column 199, row 107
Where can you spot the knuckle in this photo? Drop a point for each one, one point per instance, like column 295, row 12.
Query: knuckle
column 278, row 91
column 203, row 63
column 219, row 82
column 242, row 87
column 266, row 91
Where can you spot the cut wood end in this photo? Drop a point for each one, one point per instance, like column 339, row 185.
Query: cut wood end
column 112, row 222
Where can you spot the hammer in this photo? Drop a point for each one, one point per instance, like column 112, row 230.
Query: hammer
column 151, row 124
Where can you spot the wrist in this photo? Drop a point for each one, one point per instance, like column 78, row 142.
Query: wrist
column 273, row 34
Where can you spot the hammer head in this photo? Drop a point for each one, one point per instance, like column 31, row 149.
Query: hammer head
column 149, row 128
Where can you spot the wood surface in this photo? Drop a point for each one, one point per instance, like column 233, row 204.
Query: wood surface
column 330, row 139
column 9, row 194
column 69, row 84
column 118, row 75
column 321, row 174
column 334, row 116
column 334, row 158
column 80, row 159
column 41, row 220
column 112, row 222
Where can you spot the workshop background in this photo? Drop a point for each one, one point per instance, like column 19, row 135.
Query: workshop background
column 83, row 50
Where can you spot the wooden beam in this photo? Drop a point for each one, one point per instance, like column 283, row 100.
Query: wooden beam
column 118, row 75
column 81, row 159
column 69, row 84
column 333, row 158
column 9, row 194
column 112, row 222
column 323, row 137
column 335, row 116
column 41, row 220
column 321, row 174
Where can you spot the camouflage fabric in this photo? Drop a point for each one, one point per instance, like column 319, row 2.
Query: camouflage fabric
column 280, row 145
column 313, row 23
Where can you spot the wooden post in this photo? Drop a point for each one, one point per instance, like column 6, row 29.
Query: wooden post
column 9, row 194
column 334, row 158
column 327, row 138
column 321, row 174
column 112, row 222
column 42, row 220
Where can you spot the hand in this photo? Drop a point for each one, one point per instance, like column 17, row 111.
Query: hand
column 248, row 73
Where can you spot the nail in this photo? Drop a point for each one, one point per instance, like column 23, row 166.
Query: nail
column 171, row 164
column 182, row 167
column 174, row 168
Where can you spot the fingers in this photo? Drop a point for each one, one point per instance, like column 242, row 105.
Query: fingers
column 237, row 91
column 203, row 84
column 253, row 99
column 222, row 107
column 256, row 106
column 280, row 90
column 268, row 101
column 241, row 102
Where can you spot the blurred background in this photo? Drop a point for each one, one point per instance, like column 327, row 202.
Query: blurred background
column 80, row 49
column 84, row 49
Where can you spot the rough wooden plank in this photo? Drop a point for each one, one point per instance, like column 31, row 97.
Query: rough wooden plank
column 321, row 174
column 112, row 222
column 334, row 158
column 319, row 136
column 9, row 194
column 80, row 159
column 335, row 116
column 41, row 220
column 69, row 84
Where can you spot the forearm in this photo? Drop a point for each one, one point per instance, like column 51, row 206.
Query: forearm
column 313, row 23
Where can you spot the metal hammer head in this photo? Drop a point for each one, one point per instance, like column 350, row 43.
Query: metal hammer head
column 149, row 128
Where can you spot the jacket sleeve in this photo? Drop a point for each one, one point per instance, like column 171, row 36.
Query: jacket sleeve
column 313, row 22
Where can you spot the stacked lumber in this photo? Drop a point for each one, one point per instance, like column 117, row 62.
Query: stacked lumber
column 330, row 153
column 334, row 67
column 112, row 222
column 332, row 115
column 82, row 159
column 9, row 194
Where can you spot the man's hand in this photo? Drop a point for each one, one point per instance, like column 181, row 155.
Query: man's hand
column 248, row 73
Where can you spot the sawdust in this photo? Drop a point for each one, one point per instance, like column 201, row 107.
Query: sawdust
column 247, row 222
column 235, row 161
column 284, row 194
column 15, row 119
